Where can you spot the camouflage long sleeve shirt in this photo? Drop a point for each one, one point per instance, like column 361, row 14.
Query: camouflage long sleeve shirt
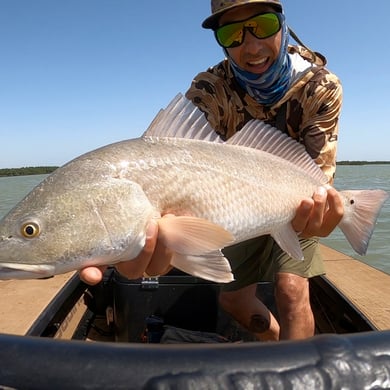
column 312, row 107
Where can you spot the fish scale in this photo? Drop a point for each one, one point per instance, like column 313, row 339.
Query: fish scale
column 214, row 189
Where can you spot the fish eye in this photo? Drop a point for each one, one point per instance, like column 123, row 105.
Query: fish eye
column 30, row 230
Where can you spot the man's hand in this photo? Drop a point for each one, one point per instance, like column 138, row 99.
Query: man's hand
column 318, row 216
column 153, row 260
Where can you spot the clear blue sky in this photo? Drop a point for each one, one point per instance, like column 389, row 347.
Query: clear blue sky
column 79, row 74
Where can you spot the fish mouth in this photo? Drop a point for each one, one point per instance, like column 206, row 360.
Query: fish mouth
column 25, row 271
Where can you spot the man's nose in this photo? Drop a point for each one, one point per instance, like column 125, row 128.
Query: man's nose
column 252, row 43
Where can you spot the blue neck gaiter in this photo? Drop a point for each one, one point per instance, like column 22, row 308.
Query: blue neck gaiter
column 270, row 86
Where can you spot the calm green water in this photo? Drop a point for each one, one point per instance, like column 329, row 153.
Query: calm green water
column 13, row 189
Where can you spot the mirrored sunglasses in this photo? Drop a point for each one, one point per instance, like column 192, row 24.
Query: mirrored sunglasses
column 261, row 26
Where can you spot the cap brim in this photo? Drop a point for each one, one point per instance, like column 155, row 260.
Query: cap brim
column 212, row 21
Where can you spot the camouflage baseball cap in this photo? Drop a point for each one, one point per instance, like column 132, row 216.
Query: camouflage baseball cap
column 218, row 7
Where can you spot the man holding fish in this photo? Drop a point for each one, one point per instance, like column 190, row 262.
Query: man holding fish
column 262, row 77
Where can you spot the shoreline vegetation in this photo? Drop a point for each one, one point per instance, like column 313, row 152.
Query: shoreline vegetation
column 25, row 171
column 363, row 162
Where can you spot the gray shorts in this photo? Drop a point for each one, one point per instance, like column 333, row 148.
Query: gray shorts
column 259, row 259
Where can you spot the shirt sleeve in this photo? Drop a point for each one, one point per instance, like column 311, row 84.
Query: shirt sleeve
column 321, row 106
column 222, row 102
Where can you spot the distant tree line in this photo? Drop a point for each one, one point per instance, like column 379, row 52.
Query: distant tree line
column 24, row 171
column 362, row 162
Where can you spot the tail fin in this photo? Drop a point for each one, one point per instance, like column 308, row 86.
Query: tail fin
column 361, row 210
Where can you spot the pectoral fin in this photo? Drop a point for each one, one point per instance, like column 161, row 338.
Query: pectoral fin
column 196, row 244
column 192, row 235
column 214, row 268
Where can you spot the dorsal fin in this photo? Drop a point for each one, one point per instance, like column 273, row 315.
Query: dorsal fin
column 261, row 136
column 182, row 119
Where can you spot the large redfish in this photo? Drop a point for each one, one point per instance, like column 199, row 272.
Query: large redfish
column 95, row 209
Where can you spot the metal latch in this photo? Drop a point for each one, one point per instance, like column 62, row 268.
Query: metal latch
column 149, row 283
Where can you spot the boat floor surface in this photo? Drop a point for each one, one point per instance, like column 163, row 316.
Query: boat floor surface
column 23, row 301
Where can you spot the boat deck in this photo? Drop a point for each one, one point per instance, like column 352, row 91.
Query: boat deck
column 22, row 301
column 366, row 287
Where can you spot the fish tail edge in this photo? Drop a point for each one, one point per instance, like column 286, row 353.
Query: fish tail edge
column 361, row 211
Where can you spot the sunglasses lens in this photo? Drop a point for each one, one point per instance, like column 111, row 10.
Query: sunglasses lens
column 266, row 25
column 230, row 35
column 262, row 26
